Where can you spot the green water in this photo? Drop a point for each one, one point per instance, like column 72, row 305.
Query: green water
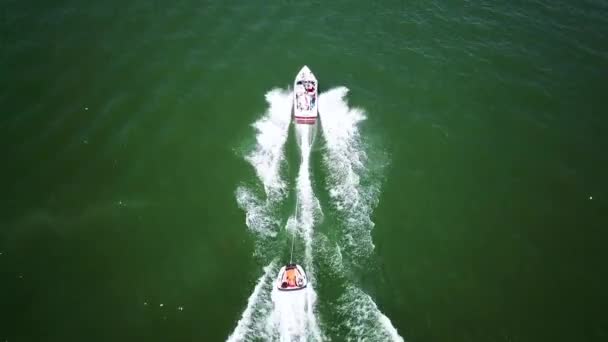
column 123, row 125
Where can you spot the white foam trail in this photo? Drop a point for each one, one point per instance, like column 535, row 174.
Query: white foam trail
column 290, row 316
column 266, row 158
column 272, row 131
column 250, row 325
column 354, row 200
column 309, row 207
column 330, row 257
column 363, row 320
column 258, row 215
column 287, row 316
column 294, row 315
column 348, row 165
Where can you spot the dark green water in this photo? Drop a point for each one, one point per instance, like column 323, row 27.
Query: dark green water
column 122, row 125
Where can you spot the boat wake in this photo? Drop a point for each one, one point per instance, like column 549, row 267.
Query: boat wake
column 353, row 180
column 267, row 158
column 361, row 318
column 353, row 184
column 273, row 315
column 309, row 212
column 286, row 316
column 292, row 317
column 253, row 320
column 272, row 131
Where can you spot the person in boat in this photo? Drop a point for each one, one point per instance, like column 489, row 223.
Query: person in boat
column 291, row 278
column 310, row 86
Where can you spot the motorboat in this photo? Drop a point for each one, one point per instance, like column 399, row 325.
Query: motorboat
column 291, row 278
column 305, row 98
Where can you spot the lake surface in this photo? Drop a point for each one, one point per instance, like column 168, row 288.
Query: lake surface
column 151, row 180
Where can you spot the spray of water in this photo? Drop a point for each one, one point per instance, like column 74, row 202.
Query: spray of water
column 267, row 157
column 273, row 315
column 310, row 209
column 261, row 215
column 252, row 322
column 272, row 131
column 294, row 315
column 354, row 188
column 290, row 316
column 362, row 319
column 351, row 183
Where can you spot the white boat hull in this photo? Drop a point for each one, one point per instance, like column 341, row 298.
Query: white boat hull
column 283, row 282
column 305, row 97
